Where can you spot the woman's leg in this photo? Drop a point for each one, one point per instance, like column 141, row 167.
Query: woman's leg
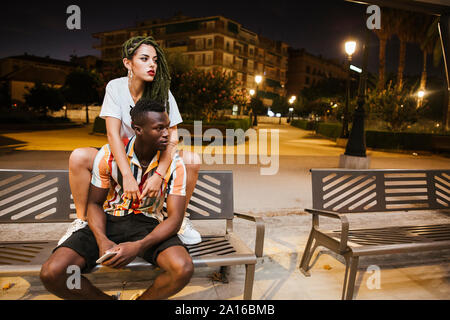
column 80, row 167
column 192, row 163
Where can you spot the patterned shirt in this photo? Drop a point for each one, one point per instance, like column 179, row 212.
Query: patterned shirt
column 106, row 175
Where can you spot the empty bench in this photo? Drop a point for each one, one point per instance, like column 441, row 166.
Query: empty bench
column 339, row 192
column 38, row 196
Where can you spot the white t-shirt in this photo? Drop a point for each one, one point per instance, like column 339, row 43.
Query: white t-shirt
column 118, row 103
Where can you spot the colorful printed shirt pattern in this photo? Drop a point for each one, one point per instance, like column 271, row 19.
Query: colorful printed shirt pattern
column 106, row 174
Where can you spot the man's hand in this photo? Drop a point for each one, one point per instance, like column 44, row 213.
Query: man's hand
column 152, row 187
column 104, row 246
column 126, row 252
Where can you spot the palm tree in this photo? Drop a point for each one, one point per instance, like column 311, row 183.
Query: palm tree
column 384, row 34
column 430, row 43
column 406, row 29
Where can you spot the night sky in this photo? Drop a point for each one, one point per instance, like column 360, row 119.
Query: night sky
column 320, row 26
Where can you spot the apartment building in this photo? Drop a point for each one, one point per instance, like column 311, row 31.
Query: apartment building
column 306, row 70
column 21, row 73
column 212, row 42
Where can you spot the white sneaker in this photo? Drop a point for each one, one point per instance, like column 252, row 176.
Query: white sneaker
column 77, row 224
column 187, row 234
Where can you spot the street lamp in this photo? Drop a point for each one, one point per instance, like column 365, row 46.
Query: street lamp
column 252, row 92
column 258, row 80
column 350, row 48
column 420, row 96
column 291, row 110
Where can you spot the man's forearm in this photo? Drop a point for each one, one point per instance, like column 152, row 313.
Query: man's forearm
column 97, row 221
column 163, row 231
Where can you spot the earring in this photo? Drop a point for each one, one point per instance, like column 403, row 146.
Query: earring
column 130, row 74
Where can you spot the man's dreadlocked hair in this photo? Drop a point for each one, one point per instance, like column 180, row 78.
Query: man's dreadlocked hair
column 158, row 89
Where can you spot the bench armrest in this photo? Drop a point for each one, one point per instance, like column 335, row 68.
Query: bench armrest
column 260, row 229
column 334, row 215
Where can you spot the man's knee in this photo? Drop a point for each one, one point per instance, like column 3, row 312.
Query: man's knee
column 52, row 272
column 181, row 268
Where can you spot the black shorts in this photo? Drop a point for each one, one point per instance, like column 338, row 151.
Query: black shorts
column 132, row 227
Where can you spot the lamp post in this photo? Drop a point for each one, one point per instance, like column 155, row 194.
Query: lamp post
column 250, row 113
column 355, row 152
column 258, row 80
column 350, row 47
column 420, row 96
column 291, row 110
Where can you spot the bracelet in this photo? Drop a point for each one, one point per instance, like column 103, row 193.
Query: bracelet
column 159, row 174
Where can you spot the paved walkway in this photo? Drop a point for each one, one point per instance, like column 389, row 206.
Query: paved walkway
column 280, row 199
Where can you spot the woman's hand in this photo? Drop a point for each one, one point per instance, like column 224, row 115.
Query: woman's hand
column 151, row 187
column 131, row 188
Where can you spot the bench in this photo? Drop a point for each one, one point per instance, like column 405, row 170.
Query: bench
column 30, row 196
column 339, row 192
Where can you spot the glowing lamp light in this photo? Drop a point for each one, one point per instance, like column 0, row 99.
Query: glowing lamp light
column 270, row 113
column 278, row 115
column 421, row 94
column 292, row 99
column 252, row 92
column 258, row 79
column 350, row 47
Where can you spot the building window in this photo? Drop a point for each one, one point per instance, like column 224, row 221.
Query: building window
column 307, row 80
column 250, row 65
column 199, row 44
column 198, row 59
column 208, row 59
column 209, row 43
column 228, row 61
column 308, row 69
column 228, row 46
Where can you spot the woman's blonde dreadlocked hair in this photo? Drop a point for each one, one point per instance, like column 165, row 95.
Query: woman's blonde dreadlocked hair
column 158, row 89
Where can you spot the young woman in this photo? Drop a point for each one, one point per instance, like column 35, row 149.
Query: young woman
column 148, row 76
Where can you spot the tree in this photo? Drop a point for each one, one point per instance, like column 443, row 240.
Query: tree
column 384, row 34
column 396, row 108
column 257, row 108
column 430, row 43
column 202, row 93
column 407, row 27
column 82, row 87
column 280, row 105
column 42, row 98
column 5, row 97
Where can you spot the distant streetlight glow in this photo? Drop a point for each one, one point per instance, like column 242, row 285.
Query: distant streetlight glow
column 350, row 47
column 258, row 79
column 421, row 94
column 252, row 92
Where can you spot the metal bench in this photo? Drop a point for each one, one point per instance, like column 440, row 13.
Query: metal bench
column 338, row 192
column 30, row 196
